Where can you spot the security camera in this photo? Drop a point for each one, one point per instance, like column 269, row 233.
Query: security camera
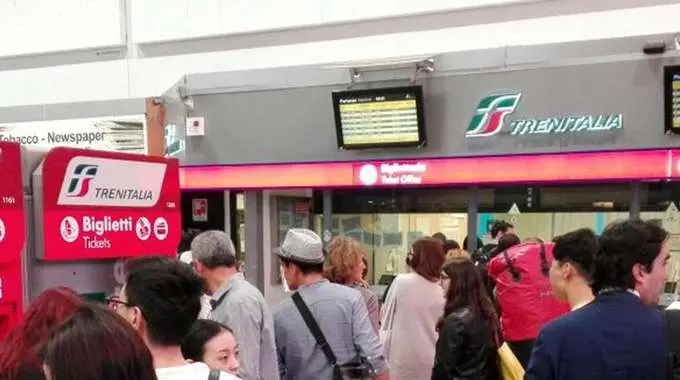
column 654, row 48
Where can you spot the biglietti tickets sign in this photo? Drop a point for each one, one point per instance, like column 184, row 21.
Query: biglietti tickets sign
column 12, row 228
column 492, row 114
column 99, row 205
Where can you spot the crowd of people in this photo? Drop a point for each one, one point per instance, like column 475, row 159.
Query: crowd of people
column 581, row 307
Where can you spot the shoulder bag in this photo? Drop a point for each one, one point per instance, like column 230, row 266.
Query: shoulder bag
column 354, row 370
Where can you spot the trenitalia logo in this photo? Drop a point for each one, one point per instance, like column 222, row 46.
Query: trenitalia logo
column 95, row 181
column 79, row 185
column 490, row 115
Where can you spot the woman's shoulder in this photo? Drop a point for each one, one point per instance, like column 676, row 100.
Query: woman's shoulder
column 459, row 317
column 411, row 278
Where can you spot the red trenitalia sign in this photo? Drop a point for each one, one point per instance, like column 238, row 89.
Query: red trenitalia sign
column 99, row 205
column 12, row 227
column 12, row 236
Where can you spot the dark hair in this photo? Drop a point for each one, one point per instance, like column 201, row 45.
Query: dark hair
column 203, row 330
column 500, row 226
column 97, row 344
column 480, row 244
column 623, row 245
column 578, row 248
column 450, row 244
column 305, row 268
column 168, row 292
column 21, row 349
column 439, row 236
column 466, row 290
column 507, row 241
column 428, row 258
column 185, row 242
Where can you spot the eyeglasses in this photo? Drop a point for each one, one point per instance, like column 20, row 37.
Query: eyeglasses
column 114, row 303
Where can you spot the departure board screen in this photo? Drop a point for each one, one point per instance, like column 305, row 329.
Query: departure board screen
column 672, row 98
column 389, row 117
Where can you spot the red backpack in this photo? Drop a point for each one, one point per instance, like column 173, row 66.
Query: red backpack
column 523, row 290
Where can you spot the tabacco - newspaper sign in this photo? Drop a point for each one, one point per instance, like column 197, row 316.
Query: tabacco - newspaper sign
column 109, row 205
column 491, row 114
column 114, row 133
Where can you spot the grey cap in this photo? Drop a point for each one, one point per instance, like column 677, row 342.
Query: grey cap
column 212, row 244
column 302, row 245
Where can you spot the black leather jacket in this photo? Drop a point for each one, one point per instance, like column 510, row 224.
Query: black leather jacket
column 465, row 349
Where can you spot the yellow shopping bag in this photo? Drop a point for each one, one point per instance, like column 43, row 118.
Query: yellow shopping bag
column 511, row 368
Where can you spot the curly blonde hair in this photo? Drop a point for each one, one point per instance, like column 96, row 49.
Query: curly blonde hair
column 454, row 254
column 344, row 256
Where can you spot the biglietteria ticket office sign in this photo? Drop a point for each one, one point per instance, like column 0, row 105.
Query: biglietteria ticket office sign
column 102, row 205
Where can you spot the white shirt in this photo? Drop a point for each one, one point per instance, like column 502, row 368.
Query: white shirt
column 192, row 371
column 205, row 307
column 674, row 306
column 418, row 305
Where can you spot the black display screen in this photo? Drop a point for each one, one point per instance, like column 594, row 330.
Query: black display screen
column 672, row 98
column 389, row 117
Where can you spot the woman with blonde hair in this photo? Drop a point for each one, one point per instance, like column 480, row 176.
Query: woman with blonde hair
column 454, row 252
column 345, row 265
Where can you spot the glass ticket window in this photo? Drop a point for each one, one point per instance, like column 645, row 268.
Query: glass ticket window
column 388, row 221
column 659, row 202
column 549, row 211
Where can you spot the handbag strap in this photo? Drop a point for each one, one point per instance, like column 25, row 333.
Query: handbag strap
column 214, row 375
column 545, row 268
column 511, row 268
column 314, row 328
column 390, row 307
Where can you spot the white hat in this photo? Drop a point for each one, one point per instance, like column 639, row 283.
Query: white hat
column 302, row 245
column 186, row 257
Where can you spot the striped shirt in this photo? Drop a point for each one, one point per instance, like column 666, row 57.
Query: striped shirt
column 242, row 307
column 340, row 312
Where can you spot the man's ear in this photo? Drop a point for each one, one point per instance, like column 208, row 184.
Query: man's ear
column 198, row 266
column 137, row 319
column 569, row 270
column 639, row 273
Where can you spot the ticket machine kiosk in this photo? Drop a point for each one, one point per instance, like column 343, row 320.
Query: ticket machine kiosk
column 91, row 209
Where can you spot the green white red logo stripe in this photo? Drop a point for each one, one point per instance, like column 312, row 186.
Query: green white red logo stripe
column 490, row 114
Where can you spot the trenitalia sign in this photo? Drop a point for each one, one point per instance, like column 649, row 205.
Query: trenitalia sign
column 596, row 167
column 492, row 112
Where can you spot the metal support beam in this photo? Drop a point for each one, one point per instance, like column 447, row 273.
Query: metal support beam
column 327, row 215
column 254, row 249
column 472, row 224
column 635, row 201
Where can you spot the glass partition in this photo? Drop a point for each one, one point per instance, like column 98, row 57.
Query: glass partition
column 549, row 211
column 388, row 221
column 659, row 203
